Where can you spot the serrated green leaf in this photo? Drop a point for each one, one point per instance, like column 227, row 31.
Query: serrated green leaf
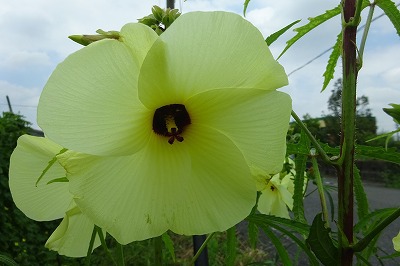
column 321, row 243
column 391, row 11
column 333, row 58
column 300, row 167
column 231, row 246
column 312, row 24
column 158, row 12
column 252, row 230
column 393, row 112
column 7, row 260
column 274, row 36
column 389, row 155
column 377, row 215
column 361, row 197
column 266, row 221
column 315, row 22
column 169, row 245
column 246, row 3
column 283, row 254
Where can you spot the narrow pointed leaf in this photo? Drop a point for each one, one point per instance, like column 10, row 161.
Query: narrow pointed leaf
column 391, row 11
column 333, row 58
column 321, row 243
column 49, row 165
column 361, row 197
column 253, row 234
column 298, row 195
column 61, row 179
column 312, row 24
column 169, row 244
column 283, row 254
column 274, row 36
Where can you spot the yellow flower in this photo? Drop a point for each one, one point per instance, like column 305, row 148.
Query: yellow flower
column 277, row 191
column 396, row 242
column 172, row 123
column 46, row 202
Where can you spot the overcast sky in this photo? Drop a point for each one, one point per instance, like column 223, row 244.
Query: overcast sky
column 34, row 40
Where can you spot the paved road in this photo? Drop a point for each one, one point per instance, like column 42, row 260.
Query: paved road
column 378, row 197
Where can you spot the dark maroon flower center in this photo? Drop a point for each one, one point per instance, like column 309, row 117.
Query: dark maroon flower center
column 170, row 121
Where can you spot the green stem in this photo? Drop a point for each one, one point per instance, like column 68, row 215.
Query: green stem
column 121, row 259
column 321, row 152
column 363, row 243
column 103, row 244
column 158, row 244
column 365, row 33
column 203, row 246
column 321, row 191
column 90, row 248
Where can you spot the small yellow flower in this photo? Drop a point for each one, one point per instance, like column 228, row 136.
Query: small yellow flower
column 396, row 242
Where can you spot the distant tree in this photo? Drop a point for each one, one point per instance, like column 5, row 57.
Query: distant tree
column 335, row 102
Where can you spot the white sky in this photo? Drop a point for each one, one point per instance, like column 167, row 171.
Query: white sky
column 34, row 40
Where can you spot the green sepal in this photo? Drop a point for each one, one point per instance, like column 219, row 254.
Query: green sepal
column 85, row 40
column 49, row 165
column 56, row 180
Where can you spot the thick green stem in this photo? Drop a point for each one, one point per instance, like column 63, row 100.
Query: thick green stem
column 90, row 248
column 321, row 192
column 346, row 169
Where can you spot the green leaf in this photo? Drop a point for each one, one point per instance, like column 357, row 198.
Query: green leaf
column 361, row 197
column 377, row 215
column 391, row 11
column 321, row 243
column 169, row 245
column 278, row 245
column 7, row 260
column 333, row 58
column 266, row 221
column 393, row 112
column 300, row 167
column 312, row 24
column 246, row 3
column 253, row 234
column 231, row 246
column 49, row 165
column 274, row 36
column 390, row 155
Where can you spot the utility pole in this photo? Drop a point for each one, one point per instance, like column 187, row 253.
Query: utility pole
column 9, row 104
column 171, row 4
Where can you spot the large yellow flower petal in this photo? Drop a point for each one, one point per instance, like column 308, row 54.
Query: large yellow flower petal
column 203, row 51
column 90, row 101
column 45, row 201
column 256, row 121
column 72, row 236
column 198, row 186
